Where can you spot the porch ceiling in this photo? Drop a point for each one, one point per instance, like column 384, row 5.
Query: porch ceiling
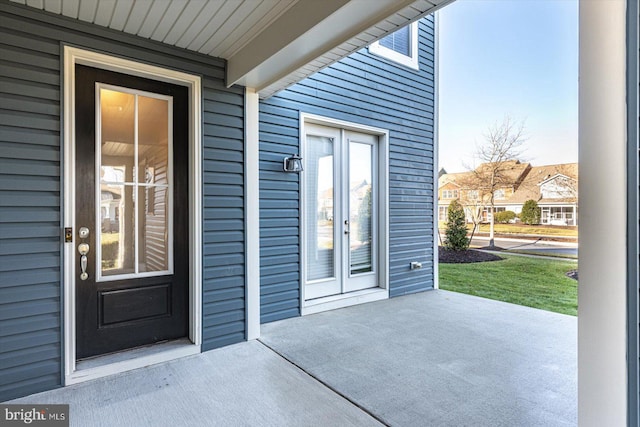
column 268, row 44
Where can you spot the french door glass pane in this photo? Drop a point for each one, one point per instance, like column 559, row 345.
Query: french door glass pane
column 320, row 180
column 360, row 208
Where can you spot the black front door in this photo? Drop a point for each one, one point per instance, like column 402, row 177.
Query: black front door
column 131, row 210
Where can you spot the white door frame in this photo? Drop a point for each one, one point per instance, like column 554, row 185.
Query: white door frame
column 366, row 295
column 73, row 56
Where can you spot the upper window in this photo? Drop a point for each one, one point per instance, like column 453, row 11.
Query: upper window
column 400, row 46
column 449, row 194
column 499, row 194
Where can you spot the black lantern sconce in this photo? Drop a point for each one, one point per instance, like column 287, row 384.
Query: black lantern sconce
column 293, row 164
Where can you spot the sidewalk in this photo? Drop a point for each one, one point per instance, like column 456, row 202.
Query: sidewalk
column 526, row 240
column 545, row 237
column 240, row 385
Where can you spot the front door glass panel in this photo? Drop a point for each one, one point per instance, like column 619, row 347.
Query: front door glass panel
column 134, row 189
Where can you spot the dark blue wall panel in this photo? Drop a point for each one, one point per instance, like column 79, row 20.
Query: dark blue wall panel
column 369, row 90
column 31, row 182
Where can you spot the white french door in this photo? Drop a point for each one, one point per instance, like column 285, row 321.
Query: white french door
column 340, row 196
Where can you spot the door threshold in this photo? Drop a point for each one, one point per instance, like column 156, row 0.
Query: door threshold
column 333, row 302
column 128, row 360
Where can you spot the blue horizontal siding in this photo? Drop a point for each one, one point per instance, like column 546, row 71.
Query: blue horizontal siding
column 369, row 90
column 31, row 182
column 30, row 291
column 223, row 205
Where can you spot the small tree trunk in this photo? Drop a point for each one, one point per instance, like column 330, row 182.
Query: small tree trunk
column 491, row 240
column 473, row 231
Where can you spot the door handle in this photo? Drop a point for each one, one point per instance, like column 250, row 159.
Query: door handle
column 346, row 226
column 83, row 249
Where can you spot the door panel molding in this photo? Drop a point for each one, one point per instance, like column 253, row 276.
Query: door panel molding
column 73, row 56
column 381, row 164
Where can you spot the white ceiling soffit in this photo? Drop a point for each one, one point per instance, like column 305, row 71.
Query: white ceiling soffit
column 268, row 44
column 357, row 24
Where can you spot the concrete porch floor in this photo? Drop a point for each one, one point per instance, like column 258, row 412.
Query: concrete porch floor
column 430, row 359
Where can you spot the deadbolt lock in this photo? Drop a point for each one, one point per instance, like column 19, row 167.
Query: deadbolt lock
column 83, row 232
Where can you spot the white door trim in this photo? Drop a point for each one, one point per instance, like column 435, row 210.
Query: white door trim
column 73, row 56
column 367, row 295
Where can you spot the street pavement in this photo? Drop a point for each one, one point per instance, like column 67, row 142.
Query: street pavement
column 538, row 247
column 532, row 246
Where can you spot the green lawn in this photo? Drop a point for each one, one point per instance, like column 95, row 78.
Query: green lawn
column 534, row 282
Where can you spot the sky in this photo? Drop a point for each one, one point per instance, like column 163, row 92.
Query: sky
column 516, row 58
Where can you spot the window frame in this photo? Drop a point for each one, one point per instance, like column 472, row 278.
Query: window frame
column 443, row 212
column 449, row 194
column 411, row 61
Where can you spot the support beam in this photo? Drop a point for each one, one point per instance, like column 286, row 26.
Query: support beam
column 306, row 31
column 293, row 24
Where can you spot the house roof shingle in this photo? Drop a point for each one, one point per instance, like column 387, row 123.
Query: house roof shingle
column 527, row 180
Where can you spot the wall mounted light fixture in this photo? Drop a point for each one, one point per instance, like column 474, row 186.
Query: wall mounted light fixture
column 293, row 164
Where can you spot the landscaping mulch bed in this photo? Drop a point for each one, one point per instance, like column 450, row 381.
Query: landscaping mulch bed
column 460, row 257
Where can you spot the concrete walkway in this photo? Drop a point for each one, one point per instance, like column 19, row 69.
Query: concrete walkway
column 430, row 359
column 441, row 359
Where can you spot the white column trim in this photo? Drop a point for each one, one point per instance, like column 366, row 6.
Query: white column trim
column 436, row 151
column 602, row 294
column 252, row 211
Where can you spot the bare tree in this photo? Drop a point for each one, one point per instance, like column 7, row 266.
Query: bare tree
column 503, row 143
column 566, row 187
column 472, row 201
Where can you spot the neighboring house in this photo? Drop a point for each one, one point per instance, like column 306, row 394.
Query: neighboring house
column 195, row 233
column 553, row 187
column 467, row 188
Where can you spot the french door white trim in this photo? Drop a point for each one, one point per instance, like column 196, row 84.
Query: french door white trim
column 309, row 306
column 343, row 300
column 73, row 56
